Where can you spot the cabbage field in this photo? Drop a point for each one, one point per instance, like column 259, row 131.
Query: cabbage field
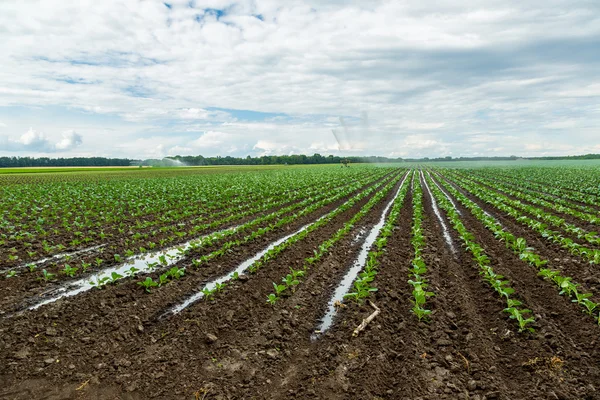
column 394, row 281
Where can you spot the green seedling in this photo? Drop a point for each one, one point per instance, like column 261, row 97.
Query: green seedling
column 148, row 284
column 114, row 277
column 517, row 314
column 208, row 293
column 85, row 266
column 290, row 281
column 47, row 276
column 272, row 299
column 162, row 279
column 152, row 265
column 279, row 288
column 220, row 286
column 69, row 271
column 131, row 272
column 10, row 274
column 100, row 282
column 176, row 273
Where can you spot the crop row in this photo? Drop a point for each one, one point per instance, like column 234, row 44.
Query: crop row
column 51, row 218
column 549, row 183
column 226, row 247
column 418, row 268
column 211, row 239
column 538, row 199
column 587, row 253
column 498, row 282
column 290, row 281
column 519, row 246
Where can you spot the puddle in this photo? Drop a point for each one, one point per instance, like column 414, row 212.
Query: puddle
column 445, row 194
column 357, row 266
column 436, row 210
column 359, row 235
column 52, row 258
column 485, row 212
column 144, row 263
column 240, row 270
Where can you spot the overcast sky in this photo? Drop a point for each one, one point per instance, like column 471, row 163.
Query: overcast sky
column 142, row 79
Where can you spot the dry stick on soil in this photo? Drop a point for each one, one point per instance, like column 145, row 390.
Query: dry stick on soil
column 466, row 361
column 366, row 321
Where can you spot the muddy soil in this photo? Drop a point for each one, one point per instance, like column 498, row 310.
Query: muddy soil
column 112, row 344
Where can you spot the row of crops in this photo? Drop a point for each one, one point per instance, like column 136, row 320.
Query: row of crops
column 64, row 237
column 300, row 255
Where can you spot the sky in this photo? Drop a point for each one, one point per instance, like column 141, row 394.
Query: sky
column 149, row 79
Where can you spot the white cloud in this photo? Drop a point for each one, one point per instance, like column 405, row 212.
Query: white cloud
column 32, row 138
column 38, row 142
column 211, row 139
column 70, row 140
column 160, row 76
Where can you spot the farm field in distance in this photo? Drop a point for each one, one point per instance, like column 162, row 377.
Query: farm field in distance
column 392, row 281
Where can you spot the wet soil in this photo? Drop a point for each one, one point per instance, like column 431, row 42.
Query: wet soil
column 111, row 344
column 28, row 285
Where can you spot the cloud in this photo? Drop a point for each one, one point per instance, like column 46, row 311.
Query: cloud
column 274, row 77
column 35, row 141
column 70, row 140
column 211, row 139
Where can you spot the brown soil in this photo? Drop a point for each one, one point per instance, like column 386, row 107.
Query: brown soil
column 110, row 344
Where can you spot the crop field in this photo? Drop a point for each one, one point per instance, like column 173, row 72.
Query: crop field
column 390, row 281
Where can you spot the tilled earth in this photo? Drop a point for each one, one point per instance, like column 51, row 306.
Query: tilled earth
column 114, row 344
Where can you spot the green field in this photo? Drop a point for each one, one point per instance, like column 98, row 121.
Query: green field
column 288, row 276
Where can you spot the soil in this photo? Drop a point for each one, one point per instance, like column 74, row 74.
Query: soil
column 28, row 285
column 111, row 343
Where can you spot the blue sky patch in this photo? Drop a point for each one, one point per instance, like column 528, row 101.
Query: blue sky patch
column 248, row 115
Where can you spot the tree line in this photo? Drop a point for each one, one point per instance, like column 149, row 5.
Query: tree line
column 274, row 160
column 13, row 162
column 8, row 162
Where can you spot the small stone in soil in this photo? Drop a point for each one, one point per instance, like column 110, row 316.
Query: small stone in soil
column 272, row 353
column 210, row 338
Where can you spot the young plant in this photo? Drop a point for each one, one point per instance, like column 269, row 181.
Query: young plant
column 148, row 284
column 176, row 273
column 69, row 271
column 100, row 282
column 279, row 288
column 162, row 279
column 131, row 272
column 47, row 276
column 290, row 281
column 208, row 293
column 115, row 276
column 220, row 286
column 517, row 314
column 85, row 266
column 272, row 299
